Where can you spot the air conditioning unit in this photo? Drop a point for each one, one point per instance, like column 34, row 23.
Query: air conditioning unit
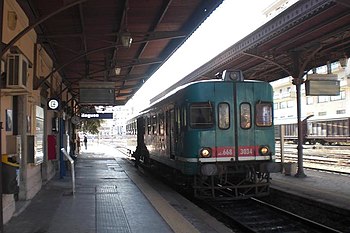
column 17, row 71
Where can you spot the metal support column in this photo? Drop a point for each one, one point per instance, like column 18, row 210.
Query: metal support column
column 62, row 162
column 282, row 133
column 1, row 48
column 297, row 81
column 1, row 207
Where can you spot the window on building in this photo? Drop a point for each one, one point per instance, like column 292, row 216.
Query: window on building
column 263, row 114
column 290, row 104
column 323, row 99
column 283, row 105
column 309, row 100
column 341, row 96
column 341, row 111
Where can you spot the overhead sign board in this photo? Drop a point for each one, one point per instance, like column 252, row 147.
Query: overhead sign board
column 97, row 93
column 96, row 116
column 322, row 85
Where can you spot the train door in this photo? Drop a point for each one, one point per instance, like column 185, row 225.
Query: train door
column 245, row 129
column 140, row 131
column 225, row 114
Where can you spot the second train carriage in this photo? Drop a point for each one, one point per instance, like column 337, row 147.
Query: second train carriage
column 218, row 133
column 322, row 131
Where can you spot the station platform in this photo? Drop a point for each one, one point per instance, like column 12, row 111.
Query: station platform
column 113, row 196
column 326, row 187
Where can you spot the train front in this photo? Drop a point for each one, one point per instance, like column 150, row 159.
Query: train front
column 231, row 132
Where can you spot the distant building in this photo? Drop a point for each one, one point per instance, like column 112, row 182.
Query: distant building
column 277, row 7
column 116, row 126
column 321, row 107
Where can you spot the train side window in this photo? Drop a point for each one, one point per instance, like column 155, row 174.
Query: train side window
column 263, row 114
column 184, row 116
column 245, row 116
column 149, row 127
column 161, row 123
column 201, row 115
column 154, row 124
column 167, row 121
column 178, row 119
column 224, row 115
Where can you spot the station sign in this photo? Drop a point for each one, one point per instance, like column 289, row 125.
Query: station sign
column 322, row 85
column 53, row 104
column 90, row 116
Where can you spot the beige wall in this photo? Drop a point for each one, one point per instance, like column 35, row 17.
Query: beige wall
column 32, row 176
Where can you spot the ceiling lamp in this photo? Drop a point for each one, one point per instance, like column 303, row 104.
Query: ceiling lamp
column 117, row 70
column 126, row 39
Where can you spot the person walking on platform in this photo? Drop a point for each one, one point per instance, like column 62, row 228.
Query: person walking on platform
column 85, row 142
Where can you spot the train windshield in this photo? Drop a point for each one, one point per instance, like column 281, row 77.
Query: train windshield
column 263, row 116
column 245, row 116
column 201, row 115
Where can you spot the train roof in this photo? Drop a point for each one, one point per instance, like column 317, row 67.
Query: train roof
column 180, row 88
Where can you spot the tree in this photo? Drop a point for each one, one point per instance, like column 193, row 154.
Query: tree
column 90, row 126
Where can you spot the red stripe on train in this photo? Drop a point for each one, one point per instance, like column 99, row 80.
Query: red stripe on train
column 229, row 151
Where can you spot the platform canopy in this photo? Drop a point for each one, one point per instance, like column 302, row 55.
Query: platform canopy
column 309, row 34
column 116, row 41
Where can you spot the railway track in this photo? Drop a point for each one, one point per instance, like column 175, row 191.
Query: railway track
column 325, row 158
column 253, row 215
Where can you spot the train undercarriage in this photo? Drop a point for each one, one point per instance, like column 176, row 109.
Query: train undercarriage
column 237, row 182
column 234, row 182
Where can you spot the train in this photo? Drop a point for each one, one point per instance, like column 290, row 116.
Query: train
column 323, row 131
column 218, row 134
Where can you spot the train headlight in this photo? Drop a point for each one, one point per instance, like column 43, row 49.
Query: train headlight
column 264, row 150
column 205, row 152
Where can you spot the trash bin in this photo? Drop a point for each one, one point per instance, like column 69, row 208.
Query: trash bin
column 290, row 169
column 9, row 175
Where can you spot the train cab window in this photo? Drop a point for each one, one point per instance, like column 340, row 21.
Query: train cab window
column 263, row 114
column 224, row 115
column 245, row 116
column 201, row 115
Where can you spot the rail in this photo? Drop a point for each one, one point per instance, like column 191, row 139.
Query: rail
column 71, row 161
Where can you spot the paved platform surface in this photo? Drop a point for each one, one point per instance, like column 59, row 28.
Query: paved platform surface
column 111, row 196
column 325, row 187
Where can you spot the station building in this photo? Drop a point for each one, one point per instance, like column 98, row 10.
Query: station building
column 30, row 122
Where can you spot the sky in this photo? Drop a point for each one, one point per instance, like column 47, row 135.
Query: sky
column 230, row 22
